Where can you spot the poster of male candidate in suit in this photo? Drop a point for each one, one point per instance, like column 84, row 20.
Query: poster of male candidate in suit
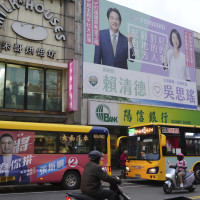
column 114, row 47
column 128, row 54
column 12, row 167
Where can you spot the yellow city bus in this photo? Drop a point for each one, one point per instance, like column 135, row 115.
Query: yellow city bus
column 49, row 153
column 151, row 145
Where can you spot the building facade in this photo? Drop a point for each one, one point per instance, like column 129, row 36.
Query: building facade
column 39, row 39
column 152, row 87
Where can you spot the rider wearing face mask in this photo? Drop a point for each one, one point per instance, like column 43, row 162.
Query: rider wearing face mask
column 92, row 177
column 181, row 167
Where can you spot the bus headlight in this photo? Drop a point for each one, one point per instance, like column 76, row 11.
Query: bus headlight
column 128, row 169
column 153, row 170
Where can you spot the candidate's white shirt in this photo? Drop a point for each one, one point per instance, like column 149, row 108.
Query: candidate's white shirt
column 177, row 67
column 6, row 164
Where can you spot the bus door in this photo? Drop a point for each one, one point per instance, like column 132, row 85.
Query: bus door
column 172, row 140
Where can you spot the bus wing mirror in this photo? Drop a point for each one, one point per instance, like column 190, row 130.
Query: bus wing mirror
column 162, row 140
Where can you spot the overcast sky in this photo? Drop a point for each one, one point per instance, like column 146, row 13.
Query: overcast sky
column 185, row 13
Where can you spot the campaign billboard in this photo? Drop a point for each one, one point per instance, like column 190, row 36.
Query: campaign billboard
column 137, row 58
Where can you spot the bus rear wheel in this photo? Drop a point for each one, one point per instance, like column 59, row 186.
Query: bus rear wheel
column 71, row 180
column 191, row 189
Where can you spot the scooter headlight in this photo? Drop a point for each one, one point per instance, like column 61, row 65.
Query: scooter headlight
column 153, row 170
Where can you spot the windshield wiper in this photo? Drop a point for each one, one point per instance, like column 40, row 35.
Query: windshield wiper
column 148, row 160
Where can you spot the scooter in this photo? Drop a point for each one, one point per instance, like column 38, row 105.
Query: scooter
column 189, row 181
column 80, row 196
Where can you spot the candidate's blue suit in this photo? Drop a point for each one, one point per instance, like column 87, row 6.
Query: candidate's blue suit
column 20, row 171
column 104, row 53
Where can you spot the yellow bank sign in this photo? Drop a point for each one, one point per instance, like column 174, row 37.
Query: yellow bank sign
column 119, row 114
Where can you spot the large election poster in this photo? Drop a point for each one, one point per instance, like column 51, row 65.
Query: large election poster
column 27, row 157
column 136, row 58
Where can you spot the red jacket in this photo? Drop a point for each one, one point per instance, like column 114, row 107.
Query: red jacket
column 123, row 158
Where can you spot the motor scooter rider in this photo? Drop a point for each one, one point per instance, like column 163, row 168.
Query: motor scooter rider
column 92, row 176
column 181, row 167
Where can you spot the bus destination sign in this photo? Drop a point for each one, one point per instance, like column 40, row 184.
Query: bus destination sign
column 140, row 131
column 170, row 130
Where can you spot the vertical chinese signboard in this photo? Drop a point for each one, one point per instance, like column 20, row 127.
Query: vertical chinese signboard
column 73, row 86
column 155, row 75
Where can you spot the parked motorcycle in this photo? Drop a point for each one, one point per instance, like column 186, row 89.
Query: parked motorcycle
column 80, row 196
column 171, row 183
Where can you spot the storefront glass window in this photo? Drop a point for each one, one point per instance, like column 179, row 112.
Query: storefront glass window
column 30, row 88
column 15, row 82
column 2, row 76
column 35, row 91
column 53, row 90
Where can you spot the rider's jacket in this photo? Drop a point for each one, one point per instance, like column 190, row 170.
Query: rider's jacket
column 181, row 165
column 92, row 176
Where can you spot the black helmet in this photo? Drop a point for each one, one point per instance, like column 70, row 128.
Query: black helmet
column 95, row 156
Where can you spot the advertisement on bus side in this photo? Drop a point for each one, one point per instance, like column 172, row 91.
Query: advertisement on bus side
column 27, row 158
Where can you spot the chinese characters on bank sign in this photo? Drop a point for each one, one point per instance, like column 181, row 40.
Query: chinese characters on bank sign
column 124, row 114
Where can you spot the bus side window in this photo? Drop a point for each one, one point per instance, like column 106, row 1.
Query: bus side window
column 172, row 145
column 45, row 143
column 67, row 143
column 99, row 143
column 192, row 143
column 74, row 143
column 82, row 143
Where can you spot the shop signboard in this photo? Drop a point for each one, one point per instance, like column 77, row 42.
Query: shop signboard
column 31, row 29
column 120, row 114
column 73, row 86
column 152, row 62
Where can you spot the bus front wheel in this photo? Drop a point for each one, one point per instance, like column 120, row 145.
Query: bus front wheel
column 71, row 180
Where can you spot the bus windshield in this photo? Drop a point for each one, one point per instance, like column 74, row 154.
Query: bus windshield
column 143, row 145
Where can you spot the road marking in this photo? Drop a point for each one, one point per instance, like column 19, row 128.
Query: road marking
column 27, row 193
column 130, row 186
column 194, row 197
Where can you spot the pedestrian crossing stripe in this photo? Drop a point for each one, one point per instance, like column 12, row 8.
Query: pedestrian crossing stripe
column 195, row 197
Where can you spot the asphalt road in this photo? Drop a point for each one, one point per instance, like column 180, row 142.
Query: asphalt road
column 137, row 190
